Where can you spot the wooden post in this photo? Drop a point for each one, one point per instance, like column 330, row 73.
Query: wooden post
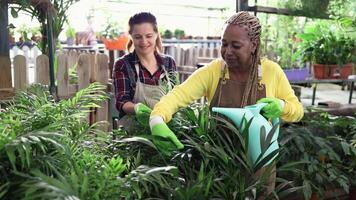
column 20, row 72
column 5, row 72
column 93, row 67
column 63, row 76
column 72, row 59
column 83, row 71
column 72, row 62
column 111, row 61
column 42, row 70
column 102, row 77
column 216, row 52
column 201, row 52
column 177, row 56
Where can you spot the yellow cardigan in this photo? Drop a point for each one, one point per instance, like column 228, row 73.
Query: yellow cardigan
column 204, row 81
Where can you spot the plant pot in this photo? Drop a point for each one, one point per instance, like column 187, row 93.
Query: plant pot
column 322, row 71
column 297, row 74
column 352, row 193
column 314, row 196
column 116, row 44
column 70, row 41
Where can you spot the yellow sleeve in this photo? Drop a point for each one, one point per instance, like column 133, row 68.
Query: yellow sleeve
column 201, row 83
column 293, row 110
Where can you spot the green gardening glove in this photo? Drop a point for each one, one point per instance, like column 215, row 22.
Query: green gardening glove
column 273, row 109
column 168, row 141
column 142, row 113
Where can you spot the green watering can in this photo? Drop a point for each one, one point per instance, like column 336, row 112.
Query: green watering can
column 253, row 111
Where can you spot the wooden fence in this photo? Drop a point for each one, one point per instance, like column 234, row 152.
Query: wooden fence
column 89, row 68
column 28, row 67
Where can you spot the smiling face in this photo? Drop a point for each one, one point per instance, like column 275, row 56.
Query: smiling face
column 144, row 38
column 237, row 47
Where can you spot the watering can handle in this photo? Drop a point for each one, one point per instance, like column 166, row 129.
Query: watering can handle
column 260, row 106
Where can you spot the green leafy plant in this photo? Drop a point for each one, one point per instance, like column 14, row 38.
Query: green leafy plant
column 48, row 150
column 326, row 154
column 112, row 28
column 70, row 32
column 324, row 47
column 213, row 164
column 167, row 34
column 32, row 8
column 179, row 34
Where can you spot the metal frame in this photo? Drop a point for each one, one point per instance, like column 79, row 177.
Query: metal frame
column 315, row 83
column 242, row 5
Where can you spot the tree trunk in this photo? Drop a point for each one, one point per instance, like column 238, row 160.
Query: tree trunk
column 4, row 32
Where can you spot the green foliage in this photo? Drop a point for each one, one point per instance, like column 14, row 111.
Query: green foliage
column 167, row 34
column 314, row 9
column 48, row 150
column 179, row 34
column 323, row 46
column 60, row 17
column 38, row 135
column 213, row 164
column 70, row 32
column 168, row 83
column 322, row 145
column 24, row 32
column 112, row 28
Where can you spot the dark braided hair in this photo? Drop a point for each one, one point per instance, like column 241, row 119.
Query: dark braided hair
column 253, row 27
column 144, row 17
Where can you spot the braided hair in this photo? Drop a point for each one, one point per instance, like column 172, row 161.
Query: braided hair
column 253, row 27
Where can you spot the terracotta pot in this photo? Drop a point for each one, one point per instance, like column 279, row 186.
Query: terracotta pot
column 322, row 71
column 314, row 196
column 117, row 43
column 352, row 193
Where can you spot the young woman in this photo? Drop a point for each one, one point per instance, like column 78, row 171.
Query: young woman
column 137, row 75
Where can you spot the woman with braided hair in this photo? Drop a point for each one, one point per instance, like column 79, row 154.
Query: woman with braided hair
column 237, row 79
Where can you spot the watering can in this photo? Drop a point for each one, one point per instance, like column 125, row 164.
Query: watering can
column 252, row 112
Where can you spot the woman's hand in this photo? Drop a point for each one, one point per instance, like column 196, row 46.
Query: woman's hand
column 142, row 113
column 273, row 109
column 159, row 128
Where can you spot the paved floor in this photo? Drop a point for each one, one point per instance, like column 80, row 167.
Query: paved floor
column 326, row 92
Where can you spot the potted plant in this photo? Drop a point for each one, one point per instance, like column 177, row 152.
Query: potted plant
column 167, row 34
column 322, row 144
column 331, row 54
column 35, row 34
column 70, row 33
column 179, row 34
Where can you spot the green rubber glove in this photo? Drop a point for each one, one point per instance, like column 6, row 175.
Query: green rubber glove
column 273, row 109
column 168, row 141
column 142, row 113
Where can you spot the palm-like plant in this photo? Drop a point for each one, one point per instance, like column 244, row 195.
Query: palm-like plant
column 214, row 163
column 37, row 133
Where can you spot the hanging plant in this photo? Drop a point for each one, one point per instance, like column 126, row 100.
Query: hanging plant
column 308, row 8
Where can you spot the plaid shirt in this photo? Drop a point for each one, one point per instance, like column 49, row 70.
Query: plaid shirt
column 124, row 92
